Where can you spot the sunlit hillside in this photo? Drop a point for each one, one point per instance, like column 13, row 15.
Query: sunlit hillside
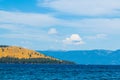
column 18, row 52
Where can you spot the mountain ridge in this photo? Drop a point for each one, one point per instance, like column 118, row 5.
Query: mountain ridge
column 88, row 56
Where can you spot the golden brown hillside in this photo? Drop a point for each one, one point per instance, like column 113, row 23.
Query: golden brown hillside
column 18, row 52
column 13, row 54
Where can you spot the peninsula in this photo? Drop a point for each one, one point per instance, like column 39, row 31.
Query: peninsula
column 14, row 54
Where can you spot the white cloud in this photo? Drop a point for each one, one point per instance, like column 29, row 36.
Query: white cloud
column 23, row 32
column 74, row 39
column 19, row 19
column 84, row 7
column 99, row 25
column 97, row 36
column 28, row 26
column 9, row 26
column 52, row 31
column 29, row 19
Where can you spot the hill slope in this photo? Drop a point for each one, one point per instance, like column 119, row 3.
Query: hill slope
column 13, row 54
column 18, row 52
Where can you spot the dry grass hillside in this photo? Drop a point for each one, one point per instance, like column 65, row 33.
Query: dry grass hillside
column 18, row 52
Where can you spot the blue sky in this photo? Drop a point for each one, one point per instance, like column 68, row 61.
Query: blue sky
column 60, row 24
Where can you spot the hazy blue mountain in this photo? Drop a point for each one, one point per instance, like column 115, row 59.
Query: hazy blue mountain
column 87, row 56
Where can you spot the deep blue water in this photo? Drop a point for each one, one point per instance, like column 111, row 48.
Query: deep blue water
column 58, row 72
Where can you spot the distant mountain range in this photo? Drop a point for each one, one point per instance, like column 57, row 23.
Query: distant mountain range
column 101, row 57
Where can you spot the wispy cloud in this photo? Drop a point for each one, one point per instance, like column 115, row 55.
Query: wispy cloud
column 26, row 25
column 29, row 26
column 97, row 25
column 29, row 19
column 20, row 19
column 84, row 7
column 97, row 36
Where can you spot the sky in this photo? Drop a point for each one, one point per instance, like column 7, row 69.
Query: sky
column 60, row 24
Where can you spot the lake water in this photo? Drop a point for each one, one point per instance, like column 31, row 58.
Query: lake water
column 58, row 72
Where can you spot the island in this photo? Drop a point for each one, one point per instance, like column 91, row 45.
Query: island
column 17, row 55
